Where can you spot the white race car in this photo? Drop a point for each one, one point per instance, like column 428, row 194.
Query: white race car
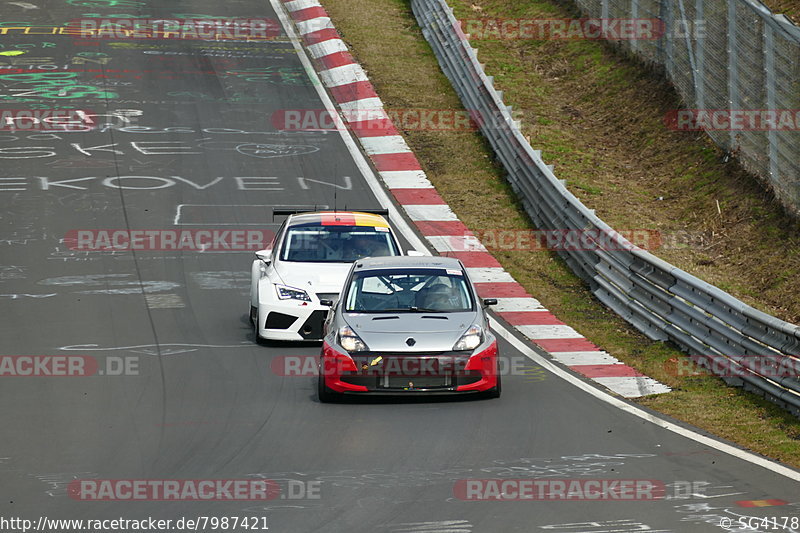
column 308, row 262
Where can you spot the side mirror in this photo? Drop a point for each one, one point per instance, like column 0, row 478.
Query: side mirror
column 490, row 301
column 415, row 253
column 265, row 255
column 326, row 303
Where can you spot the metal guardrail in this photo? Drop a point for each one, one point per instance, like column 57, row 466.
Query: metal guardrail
column 659, row 299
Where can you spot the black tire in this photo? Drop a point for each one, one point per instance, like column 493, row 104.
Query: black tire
column 324, row 394
column 255, row 318
column 497, row 389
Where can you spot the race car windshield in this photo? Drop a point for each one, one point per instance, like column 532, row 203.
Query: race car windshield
column 336, row 244
column 409, row 291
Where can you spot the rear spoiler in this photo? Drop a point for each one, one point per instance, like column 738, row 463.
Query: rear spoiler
column 286, row 212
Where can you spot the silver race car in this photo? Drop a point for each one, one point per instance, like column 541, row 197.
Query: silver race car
column 408, row 325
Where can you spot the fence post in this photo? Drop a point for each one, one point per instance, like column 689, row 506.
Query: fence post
column 683, row 26
column 769, row 78
column 699, row 54
column 733, row 68
column 665, row 13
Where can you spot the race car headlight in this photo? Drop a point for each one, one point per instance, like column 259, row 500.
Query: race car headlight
column 470, row 340
column 290, row 293
column 350, row 341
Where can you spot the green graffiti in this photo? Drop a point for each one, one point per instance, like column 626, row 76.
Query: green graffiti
column 142, row 16
column 54, row 85
column 31, row 45
column 37, row 76
column 105, row 3
column 128, row 45
column 201, row 96
column 118, row 16
column 12, row 53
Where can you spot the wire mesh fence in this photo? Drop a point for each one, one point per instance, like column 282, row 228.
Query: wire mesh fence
column 737, row 66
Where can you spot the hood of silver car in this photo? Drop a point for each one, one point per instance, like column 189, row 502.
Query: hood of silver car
column 410, row 332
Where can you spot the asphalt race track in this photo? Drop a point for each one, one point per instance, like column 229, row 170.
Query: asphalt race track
column 183, row 138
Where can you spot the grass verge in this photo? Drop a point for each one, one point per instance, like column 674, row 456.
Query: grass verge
column 790, row 8
column 597, row 117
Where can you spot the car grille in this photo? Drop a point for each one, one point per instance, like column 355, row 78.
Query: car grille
column 446, row 373
column 277, row 320
column 312, row 327
column 415, row 382
column 377, row 383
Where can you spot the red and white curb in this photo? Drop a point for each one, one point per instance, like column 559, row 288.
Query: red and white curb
column 350, row 88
